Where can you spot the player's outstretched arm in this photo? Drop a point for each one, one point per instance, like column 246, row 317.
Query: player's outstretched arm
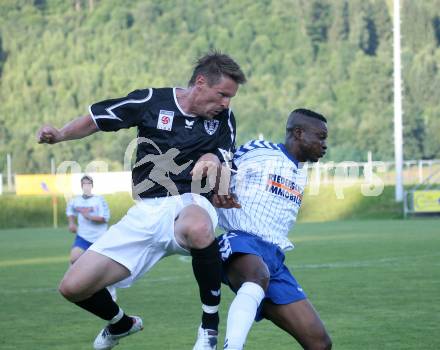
column 95, row 218
column 75, row 129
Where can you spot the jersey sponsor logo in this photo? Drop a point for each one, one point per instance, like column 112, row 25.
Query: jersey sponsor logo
column 189, row 124
column 165, row 121
column 283, row 187
column 211, row 126
column 80, row 209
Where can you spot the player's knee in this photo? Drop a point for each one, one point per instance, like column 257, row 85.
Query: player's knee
column 260, row 275
column 327, row 342
column 200, row 234
column 264, row 282
column 69, row 290
column 262, row 278
column 322, row 343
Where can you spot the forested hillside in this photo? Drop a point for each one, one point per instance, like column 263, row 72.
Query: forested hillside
column 335, row 56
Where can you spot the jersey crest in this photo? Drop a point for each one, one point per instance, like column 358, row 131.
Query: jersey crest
column 211, row 126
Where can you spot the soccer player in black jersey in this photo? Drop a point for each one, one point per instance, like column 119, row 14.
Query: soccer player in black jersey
column 183, row 134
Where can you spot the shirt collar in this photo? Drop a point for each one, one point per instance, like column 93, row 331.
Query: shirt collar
column 288, row 155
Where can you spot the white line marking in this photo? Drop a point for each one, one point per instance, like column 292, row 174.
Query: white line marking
column 35, row 261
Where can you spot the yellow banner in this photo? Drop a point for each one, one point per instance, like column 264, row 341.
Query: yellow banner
column 43, row 184
column 426, row 201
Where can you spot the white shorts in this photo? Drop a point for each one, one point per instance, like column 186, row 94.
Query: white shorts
column 146, row 234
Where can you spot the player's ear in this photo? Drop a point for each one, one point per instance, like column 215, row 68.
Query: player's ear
column 297, row 133
column 201, row 80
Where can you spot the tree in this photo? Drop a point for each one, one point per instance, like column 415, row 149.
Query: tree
column 317, row 23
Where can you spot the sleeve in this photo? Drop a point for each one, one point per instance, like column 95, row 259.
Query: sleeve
column 226, row 143
column 252, row 154
column 121, row 113
column 104, row 210
column 70, row 208
column 242, row 151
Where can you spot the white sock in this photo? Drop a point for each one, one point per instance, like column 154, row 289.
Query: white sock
column 241, row 315
column 210, row 309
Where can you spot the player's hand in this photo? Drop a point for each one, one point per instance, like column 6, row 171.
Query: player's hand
column 226, row 202
column 206, row 165
column 49, row 134
column 209, row 166
column 73, row 228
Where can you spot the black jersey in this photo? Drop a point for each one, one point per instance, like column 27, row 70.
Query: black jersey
column 169, row 141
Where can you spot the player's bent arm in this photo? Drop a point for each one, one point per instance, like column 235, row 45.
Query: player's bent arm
column 99, row 219
column 76, row 129
column 72, row 223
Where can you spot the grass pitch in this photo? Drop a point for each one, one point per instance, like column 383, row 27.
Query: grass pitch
column 376, row 285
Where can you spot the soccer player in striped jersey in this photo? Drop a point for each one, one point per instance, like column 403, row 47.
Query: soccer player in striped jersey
column 269, row 185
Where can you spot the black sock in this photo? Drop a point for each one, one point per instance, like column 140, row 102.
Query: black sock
column 207, row 267
column 102, row 305
column 210, row 321
column 122, row 326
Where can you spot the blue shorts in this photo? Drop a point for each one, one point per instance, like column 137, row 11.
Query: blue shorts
column 283, row 288
column 81, row 243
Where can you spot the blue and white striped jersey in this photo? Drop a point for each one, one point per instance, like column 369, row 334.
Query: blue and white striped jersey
column 269, row 184
column 87, row 229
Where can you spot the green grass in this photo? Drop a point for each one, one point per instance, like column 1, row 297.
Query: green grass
column 376, row 285
column 326, row 206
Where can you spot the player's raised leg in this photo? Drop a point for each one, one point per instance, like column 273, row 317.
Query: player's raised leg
column 85, row 285
column 301, row 321
column 194, row 230
column 249, row 276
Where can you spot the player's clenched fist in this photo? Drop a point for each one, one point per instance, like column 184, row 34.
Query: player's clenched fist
column 48, row 134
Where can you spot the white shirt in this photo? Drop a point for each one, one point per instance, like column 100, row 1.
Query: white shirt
column 88, row 229
column 269, row 184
